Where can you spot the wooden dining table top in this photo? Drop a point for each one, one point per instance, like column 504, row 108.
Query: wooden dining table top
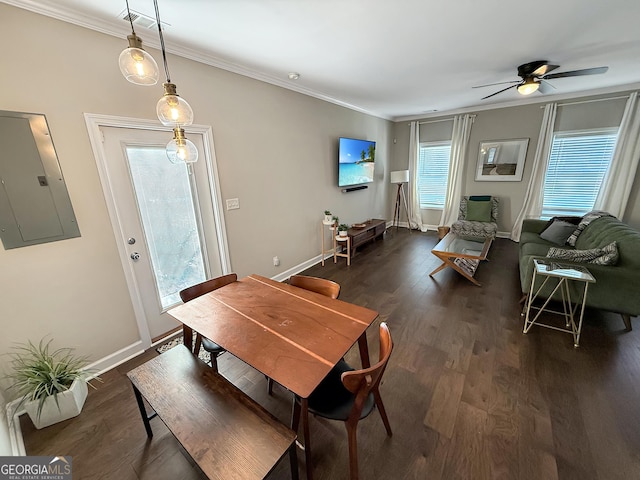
column 291, row 335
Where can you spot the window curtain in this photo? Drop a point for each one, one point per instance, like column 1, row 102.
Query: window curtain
column 532, row 206
column 459, row 146
column 616, row 187
column 415, row 217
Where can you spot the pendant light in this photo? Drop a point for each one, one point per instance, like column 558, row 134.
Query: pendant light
column 136, row 65
column 174, row 111
column 181, row 149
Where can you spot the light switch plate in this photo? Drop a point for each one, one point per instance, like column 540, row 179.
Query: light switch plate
column 233, row 203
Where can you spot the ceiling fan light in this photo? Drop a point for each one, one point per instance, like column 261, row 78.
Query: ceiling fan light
column 136, row 65
column 528, row 87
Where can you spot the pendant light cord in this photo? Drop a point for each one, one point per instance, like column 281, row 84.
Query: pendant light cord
column 164, row 55
column 129, row 16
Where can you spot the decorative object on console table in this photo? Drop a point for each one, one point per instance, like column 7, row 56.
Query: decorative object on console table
column 372, row 230
column 400, row 177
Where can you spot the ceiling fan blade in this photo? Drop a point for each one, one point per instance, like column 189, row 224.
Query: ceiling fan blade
column 499, row 83
column 576, row 73
column 544, row 69
column 500, row 91
column 545, row 87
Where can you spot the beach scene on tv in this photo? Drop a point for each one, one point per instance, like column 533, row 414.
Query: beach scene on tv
column 356, row 161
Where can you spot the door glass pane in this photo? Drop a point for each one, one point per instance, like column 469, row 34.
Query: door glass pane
column 165, row 203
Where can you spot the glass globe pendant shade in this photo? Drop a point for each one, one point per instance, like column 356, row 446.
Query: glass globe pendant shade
column 181, row 149
column 136, row 65
column 172, row 110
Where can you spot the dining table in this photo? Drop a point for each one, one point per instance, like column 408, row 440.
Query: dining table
column 292, row 335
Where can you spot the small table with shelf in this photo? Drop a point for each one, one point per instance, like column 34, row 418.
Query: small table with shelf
column 345, row 252
column 332, row 231
column 563, row 274
column 356, row 236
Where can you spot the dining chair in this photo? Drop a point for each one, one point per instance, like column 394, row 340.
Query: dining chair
column 197, row 290
column 319, row 285
column 350, row 395
column 316, row 284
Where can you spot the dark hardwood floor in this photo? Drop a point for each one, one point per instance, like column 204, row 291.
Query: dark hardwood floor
column 467, row 394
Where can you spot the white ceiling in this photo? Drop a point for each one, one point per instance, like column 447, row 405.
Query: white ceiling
column 394, row 59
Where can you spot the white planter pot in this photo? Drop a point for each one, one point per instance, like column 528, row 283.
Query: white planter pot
column 342, row 233
column 328, row 219
column 70, row 401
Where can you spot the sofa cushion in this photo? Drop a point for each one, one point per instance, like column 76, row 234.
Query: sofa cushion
column 558, row 232
column 607, row 255
column 478, row 211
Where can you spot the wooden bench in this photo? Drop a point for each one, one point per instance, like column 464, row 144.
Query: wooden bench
column 227, row 434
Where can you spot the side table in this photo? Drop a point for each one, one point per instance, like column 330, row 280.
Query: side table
column 332, row 231
column 338, row 238
column 563, row 274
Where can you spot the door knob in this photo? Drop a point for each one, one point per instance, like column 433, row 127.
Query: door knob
column 135, row 256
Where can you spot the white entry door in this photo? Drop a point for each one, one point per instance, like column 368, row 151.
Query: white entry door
column 168, row 220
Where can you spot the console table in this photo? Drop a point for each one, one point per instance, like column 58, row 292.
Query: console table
column 372, row 230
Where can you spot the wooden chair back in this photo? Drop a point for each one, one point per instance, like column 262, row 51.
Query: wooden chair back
column 316, row 284
column 362, row 382
column 199, row 289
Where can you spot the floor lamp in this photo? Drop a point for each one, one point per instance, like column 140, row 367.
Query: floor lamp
column 400, row 177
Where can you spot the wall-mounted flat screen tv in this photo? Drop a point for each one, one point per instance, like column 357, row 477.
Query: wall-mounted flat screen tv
column 356, row 159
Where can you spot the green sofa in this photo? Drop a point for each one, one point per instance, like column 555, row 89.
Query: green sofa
column 616, row 288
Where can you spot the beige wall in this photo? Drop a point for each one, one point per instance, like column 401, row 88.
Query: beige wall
column 276, row 151
column 511, row 123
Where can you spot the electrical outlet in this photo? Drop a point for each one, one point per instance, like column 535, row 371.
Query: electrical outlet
column 233, row 203
column 276, row 261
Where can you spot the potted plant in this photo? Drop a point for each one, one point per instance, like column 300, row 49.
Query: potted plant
column 334, row 222
column 327, row 217
column 342, row 229
column 52, row 384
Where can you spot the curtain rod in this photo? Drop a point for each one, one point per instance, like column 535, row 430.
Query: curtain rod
column 473, row 116
column 436, row 121
column 590, row 101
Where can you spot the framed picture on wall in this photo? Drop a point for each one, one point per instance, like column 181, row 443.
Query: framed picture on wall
column 501, row 160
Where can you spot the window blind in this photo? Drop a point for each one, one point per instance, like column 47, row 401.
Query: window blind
column 578, row 162
column 433, row 173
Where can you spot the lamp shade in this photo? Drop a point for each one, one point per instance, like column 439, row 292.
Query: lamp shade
column 528, row 87
column 400, row 176
column 172, row 110
column 181, row 149
column 136, row 65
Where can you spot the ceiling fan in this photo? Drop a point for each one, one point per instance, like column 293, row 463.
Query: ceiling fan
column 535, row 74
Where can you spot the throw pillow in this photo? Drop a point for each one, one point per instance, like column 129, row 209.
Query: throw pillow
column 607, row 255
column 574, row 220
column 478, row 211
column 558, row 232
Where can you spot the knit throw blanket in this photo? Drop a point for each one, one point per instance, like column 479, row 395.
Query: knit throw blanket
column 586, row 220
